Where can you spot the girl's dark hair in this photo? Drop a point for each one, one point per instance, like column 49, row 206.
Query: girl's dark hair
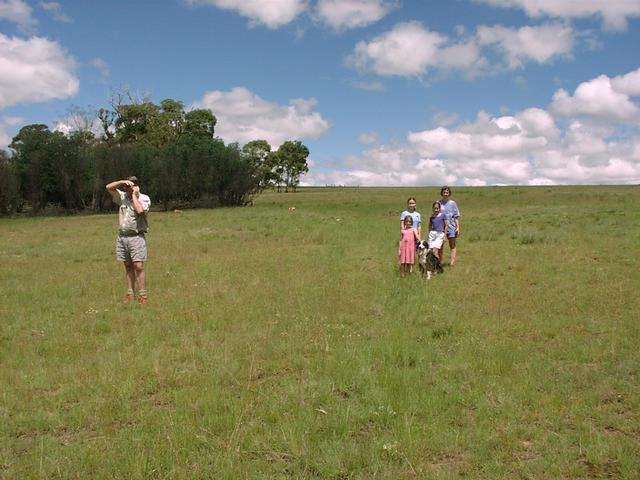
column 445, row 188
column 412, row 198
column 405, row 219
column 435, row 203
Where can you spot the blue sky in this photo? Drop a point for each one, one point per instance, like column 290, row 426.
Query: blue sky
column 383, row 92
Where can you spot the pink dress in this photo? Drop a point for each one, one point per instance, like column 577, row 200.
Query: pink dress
column 407, row 247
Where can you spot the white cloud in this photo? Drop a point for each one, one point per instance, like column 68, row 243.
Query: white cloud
column 536, row 122
column 408, row 49
column 628, row 84
column 272, row 13
column 18, row 12
column 614, row 13
column 573, row 142
column 559, row 168
column 602, row 98
column 345, row 14
column 359, row 178
column 462, row 56
column 528, row 148
column 587, row 143
column 385, row 165
column 337, row 14
column 502, row 137
column 34, row 70
column 540, row 44
column 243, row 116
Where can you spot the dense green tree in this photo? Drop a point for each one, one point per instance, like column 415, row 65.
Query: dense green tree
column 200, row 122
column 75, row 170
column 52, row 168
column 9, row 198
column 136, row 122
column 291, row 158
column 159, row 125
column 35, row 148
column 259, row 156
column 174, row 154
column 234, row 177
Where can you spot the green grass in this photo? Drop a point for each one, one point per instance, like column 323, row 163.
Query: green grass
column 281, row 343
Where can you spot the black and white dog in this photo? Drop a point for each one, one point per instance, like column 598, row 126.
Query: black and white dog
column 427, row 261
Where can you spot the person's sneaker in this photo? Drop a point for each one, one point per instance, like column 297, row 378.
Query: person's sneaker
column 128, row 297
column 143, row 299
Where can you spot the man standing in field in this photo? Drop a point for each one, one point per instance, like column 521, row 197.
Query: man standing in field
column 131, row 244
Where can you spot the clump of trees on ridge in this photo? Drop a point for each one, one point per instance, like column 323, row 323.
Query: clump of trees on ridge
column 175, row 155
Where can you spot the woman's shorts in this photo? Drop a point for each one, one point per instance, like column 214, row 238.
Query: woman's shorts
column 131, row 249
column 435, row 239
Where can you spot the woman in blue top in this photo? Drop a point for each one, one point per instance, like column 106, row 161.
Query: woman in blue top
column 450, row 210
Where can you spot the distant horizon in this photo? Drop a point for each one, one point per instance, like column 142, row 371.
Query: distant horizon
column 382, row 92
column 629, row 185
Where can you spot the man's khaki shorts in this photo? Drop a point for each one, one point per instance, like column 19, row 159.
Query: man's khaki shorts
column 131, row 249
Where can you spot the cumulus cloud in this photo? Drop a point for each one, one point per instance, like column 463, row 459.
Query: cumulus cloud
column 602, row 98
column 504, row 136
column 384, row 165
column 18, row 12
column 345, row 14
column 34, row 70
column 272, row 13
column 358, row 178
column 614, row 14
column 410, row 49
column 628, row 84
column 529, row 148
column 243, row 116
column 540, row 44
column 571, row 142
column 337, row 14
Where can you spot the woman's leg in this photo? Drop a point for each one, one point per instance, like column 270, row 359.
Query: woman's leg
column 452, row 246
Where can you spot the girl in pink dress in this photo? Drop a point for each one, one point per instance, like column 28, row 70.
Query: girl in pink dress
column 407, row 246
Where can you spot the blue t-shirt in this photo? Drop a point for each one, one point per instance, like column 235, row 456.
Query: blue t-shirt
column 450, row 211
column 416, row 218
column 437, row 223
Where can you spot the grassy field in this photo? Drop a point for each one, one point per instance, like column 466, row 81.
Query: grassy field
column 282, row 343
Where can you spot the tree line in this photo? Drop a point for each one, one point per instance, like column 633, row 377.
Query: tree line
column 174, row 154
